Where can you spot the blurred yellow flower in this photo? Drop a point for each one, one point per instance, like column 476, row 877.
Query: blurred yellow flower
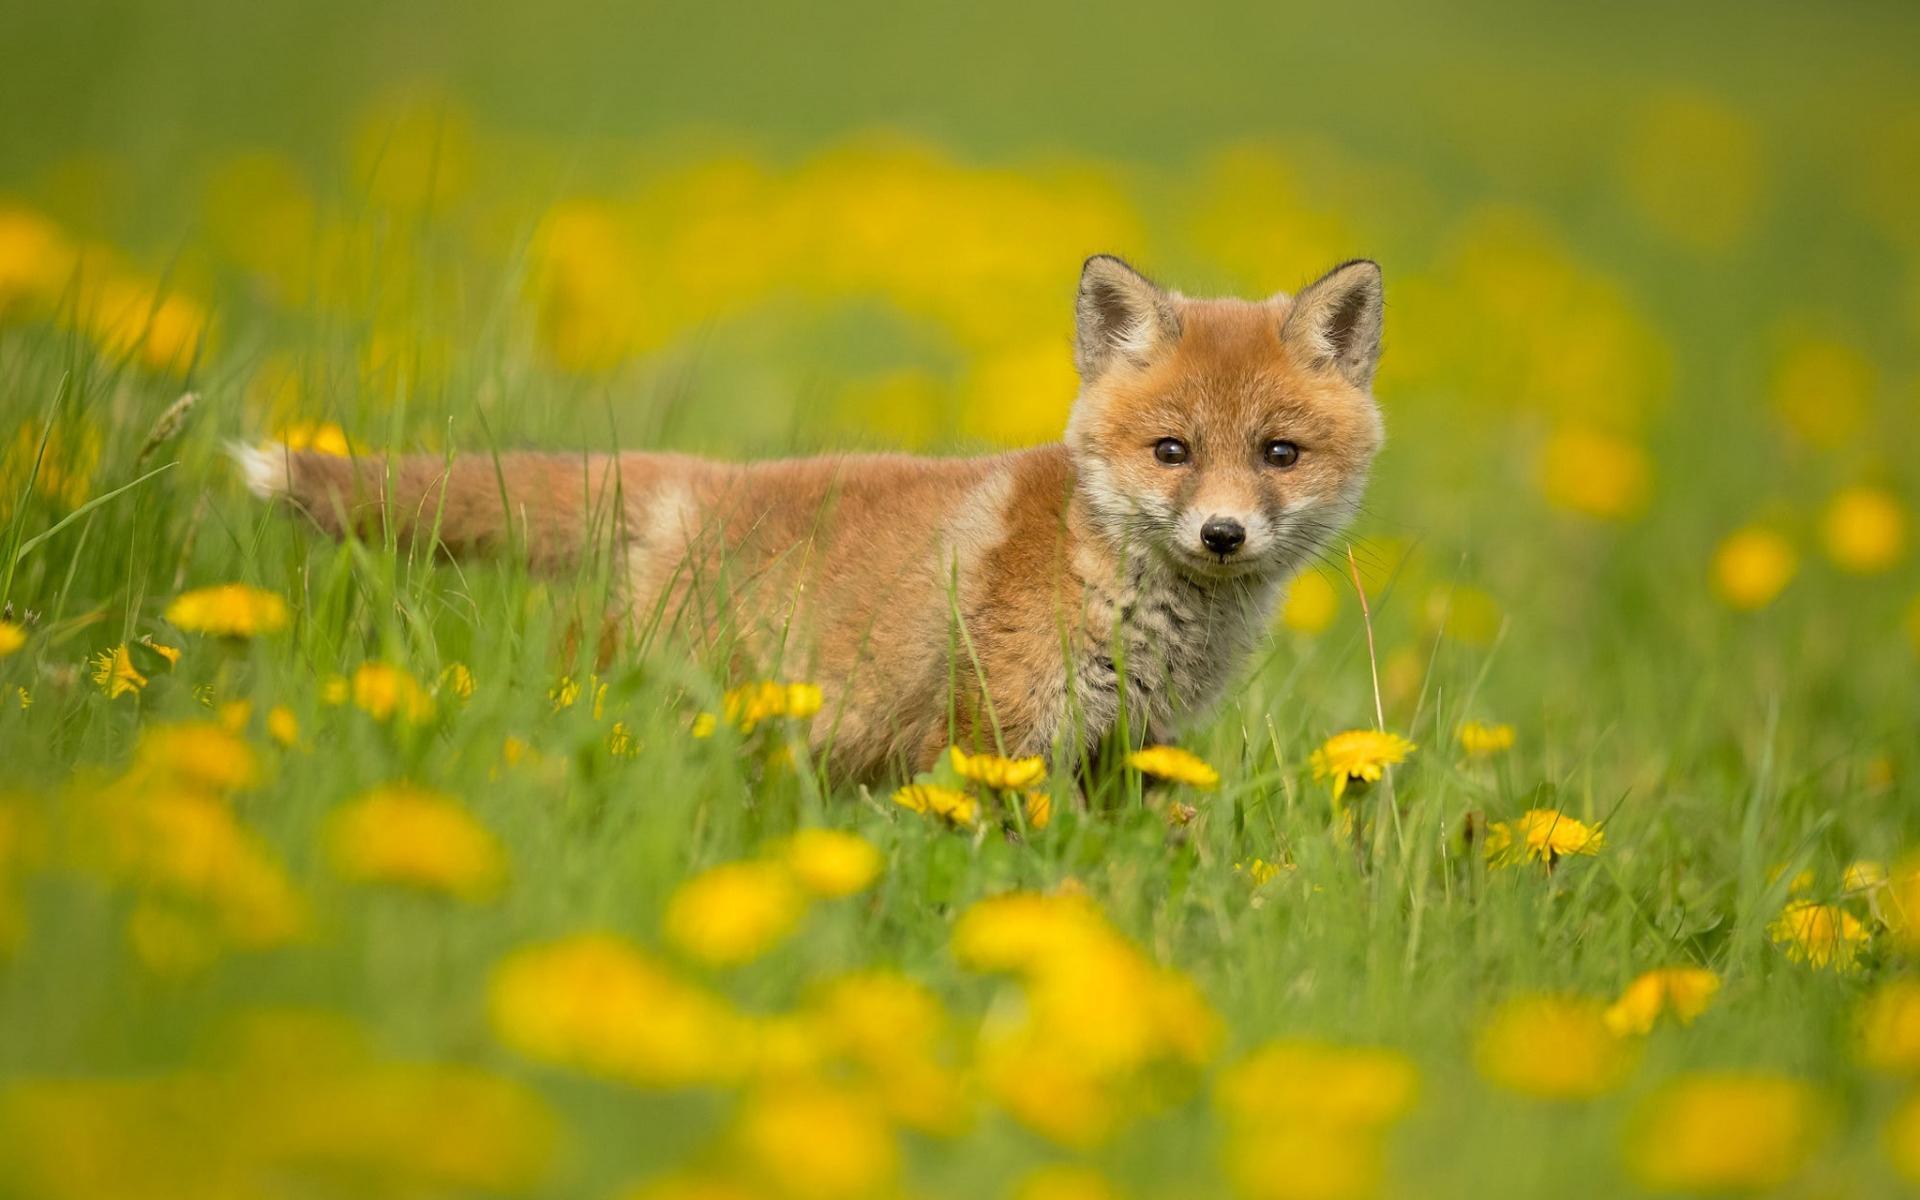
column 831, row 862
column 1482, row 740
column 1259, row 872
column 1001, row 774
column 383, row 691
column 1063, row 1181
column 1724, row 1132
column 1541, row 835
column 1694, row 170
column 1902, row 1138
column 1464, row 613
column 135, row 317
column 61, row 469
column 317, row 437
column 1019, row 396
column 816, row 1141
column 282, row 726
column 733, row 913
column 12, row 637
column 1317, row 1083
column 1552, row 1047
column 1684, row 992
column 1358, row 756
column 1820, row 935
column 412, row 837
column 957, row 808
column 1175, row 765
column 1311, row 605
column 234, row 610
column 1887, row 1026
column 1902, row 902
column 413, row 153
column 1751, row 567
column 197, row 753
column 1862, row 876
column 1309, row 1160
column 596, row 1003
column 1865, row 530
column 36, row 261
column 566, row 693
column 1038, row 809
column 1823, row 390
column 748, row 705
column 1595, row 474
column 456, row 680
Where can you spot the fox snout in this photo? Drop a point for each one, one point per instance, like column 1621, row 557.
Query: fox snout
column 1222, row 535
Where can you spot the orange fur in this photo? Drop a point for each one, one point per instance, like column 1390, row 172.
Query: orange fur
column 1019, row 601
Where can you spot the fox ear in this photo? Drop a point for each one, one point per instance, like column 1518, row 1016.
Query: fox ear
column 1336, row 321
column 1119, row 315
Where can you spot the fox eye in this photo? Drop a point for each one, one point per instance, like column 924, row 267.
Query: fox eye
column 1171, row 451
column 1281, row 453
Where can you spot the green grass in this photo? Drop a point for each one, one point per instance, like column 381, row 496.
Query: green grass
column 1723, row 751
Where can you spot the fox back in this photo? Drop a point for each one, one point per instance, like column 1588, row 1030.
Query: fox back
column 1037, row 602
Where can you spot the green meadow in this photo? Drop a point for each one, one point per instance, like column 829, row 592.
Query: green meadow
column 371, row 875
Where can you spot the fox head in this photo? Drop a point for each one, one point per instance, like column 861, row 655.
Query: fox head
column 1230, row 438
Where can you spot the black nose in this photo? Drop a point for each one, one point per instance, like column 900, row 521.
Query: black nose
column 1223, row 535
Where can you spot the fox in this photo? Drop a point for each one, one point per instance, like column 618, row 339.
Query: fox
column 1052, row 601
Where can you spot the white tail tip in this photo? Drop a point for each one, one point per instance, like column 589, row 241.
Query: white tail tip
column 264, row 468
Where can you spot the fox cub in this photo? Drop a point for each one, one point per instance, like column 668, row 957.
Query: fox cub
column 1019, row 602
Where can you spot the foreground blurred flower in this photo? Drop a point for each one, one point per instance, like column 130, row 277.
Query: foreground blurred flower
column 1683, row 991
column 817, row 1141
column 12, row 637
column 1887, row 1026
column 234, row 610
column 831, row 862
column 1865, row 530
column 1358, row 756
column 1064, row 1181
column 1309, row 1160
column 128, row 668
column 1820, row 935
column 1541, row 835
column 1724, row 1132
column 957, row 808
column 1481, row 740
column 733, row 913
column 456, row 680
column 1552, row 1048
column 1595, row 474
column 412, row 837
column 1902, row 1138
column 1001, row 774
column 317, row 437
column 1751, row 567
column 1296, row 1081
column 198, row 753
column 596, row 1003
column 1311, row 604
column 747, row 706
column 1037, row 807
column 1174, row 765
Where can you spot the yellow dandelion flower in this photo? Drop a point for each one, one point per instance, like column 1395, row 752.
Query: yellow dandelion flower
column 1754, row 565
column 831, row 862
column 596, row 1003
column 383, row 691
column 282, row 726
column 1309, row 1160
column 1259, row 872
column 704, row 724
column 1064, row 1181
column 25, row 697
column 1001, row 774
column 234, row 610
column 197, row 753
column 566, row 694
column 733, row 913
column 1595, row 474
column 1823, row 390
column 1300, row 1081
column 1541, row 835
column 412, row 837
column 1174, row 765
column 1695, row 169
column 1037, row 807
column 456, row 680
column 958, row 808
column 1887, row 1028
column 1902, row 1138
column 128, row 668
column 1863, row 876
column 1714, row 1132
column 1820, row 935
column 803, row 700
column 12, row 637
column 1864, row 530
column 1358, row 756
column 1552, row 1048
column 1481, row 740
column 1311, row 605
column 819, row 1141
column 1683, row 991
